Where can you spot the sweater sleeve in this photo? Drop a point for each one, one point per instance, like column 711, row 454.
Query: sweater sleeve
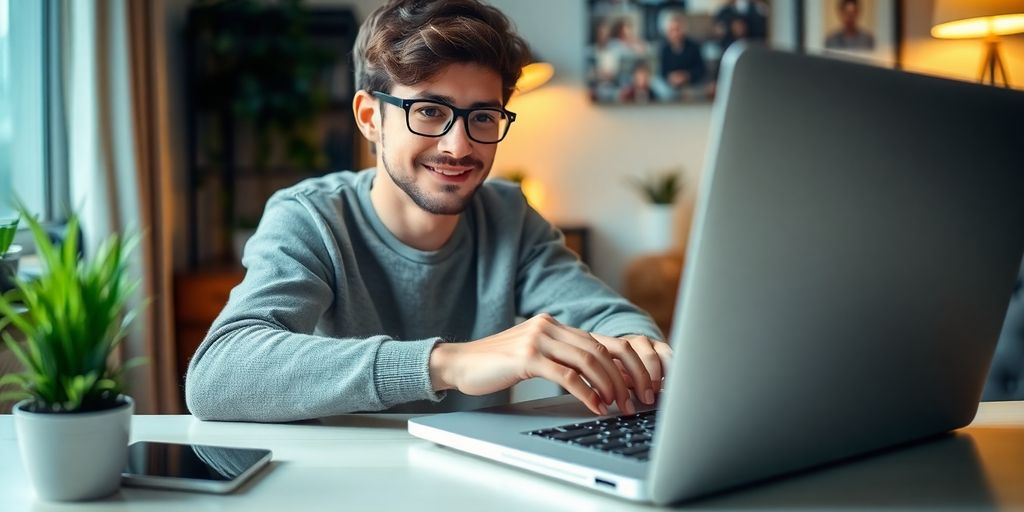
column 262, row 359
column 552, row 279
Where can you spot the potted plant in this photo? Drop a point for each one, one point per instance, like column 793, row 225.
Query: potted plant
column 73, row 421
column 659, row 191
column 10, row 254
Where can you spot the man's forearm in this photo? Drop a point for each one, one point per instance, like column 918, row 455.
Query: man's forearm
column 251, row 371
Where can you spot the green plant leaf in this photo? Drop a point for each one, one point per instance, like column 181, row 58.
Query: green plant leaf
column 78, row 311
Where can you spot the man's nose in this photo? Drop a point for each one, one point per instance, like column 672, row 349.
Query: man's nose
column 456, row 142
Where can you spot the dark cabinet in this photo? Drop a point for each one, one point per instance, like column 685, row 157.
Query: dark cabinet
column 269, row 94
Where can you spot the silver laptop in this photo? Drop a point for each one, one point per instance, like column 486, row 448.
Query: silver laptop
column 857, row 236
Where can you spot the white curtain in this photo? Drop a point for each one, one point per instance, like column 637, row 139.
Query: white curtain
column 120, row 165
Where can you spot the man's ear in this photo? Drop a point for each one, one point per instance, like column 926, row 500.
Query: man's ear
column 367, row 114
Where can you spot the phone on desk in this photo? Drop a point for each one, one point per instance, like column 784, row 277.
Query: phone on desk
column 191, row 467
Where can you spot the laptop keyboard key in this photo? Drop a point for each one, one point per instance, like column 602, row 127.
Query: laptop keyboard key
column 627, row 436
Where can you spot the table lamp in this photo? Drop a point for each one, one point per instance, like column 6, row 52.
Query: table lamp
column 988, row 19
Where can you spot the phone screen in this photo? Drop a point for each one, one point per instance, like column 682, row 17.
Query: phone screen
column 190, row 461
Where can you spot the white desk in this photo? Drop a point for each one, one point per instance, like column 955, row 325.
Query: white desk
column 369, row 462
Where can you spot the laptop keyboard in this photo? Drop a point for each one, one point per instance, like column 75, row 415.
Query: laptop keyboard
column 628, row 436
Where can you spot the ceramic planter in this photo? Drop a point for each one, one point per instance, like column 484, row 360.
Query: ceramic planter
column 74, row 456
column 657, row 227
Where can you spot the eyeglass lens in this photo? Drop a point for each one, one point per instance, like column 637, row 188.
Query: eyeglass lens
column 433, row 119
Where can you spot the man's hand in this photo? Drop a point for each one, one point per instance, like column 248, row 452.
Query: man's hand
column 654, row 355
column 678, row 78
column 595, row 369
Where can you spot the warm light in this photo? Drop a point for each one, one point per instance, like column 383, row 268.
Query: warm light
column 980, row 27
column 535, row 74
column 534, row 192
column 962, row 19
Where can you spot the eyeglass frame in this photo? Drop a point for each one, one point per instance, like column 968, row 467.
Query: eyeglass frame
column 406, row 104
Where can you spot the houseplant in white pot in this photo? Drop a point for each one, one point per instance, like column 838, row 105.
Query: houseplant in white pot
column 10, row 253
column 73, row 421
column 659, row 192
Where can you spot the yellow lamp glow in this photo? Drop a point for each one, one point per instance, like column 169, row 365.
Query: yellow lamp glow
column 1003, row 25
column 535, row 74
column 988, row 19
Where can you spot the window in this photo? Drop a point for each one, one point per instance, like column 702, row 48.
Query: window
column 29, row 103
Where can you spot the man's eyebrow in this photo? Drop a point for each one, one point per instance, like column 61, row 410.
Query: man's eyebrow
column 451, row 101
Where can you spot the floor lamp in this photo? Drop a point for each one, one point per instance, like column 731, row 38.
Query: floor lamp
column 987, row 19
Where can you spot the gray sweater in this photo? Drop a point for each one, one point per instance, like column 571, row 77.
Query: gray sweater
column 336, row 315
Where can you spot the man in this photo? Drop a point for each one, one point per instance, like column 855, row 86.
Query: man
column 682, row 63
column 398, row 288
column 850, row 36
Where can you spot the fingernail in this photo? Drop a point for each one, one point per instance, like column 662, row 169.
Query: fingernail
column 649, row 396
column 630, row 408
column 603, row 408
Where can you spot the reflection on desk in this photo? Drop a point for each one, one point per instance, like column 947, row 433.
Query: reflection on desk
column 361, row 462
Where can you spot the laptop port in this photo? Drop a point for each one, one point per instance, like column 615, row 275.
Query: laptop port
column 604, row 483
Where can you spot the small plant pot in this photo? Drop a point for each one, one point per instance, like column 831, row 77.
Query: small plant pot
column 9, row 267
column 74, row 456
column 657, row 227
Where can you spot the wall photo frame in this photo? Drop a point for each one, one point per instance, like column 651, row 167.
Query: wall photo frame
column 868, row 31
column 665, row 51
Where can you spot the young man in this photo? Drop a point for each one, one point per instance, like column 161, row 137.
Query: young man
column 399, row 287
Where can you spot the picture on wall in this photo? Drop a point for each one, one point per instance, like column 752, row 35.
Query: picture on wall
column 665, row 51
column 864, row 30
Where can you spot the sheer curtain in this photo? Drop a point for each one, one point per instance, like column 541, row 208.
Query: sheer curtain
column 120, row 166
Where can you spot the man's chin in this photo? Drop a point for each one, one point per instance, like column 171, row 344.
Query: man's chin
column 441, row 205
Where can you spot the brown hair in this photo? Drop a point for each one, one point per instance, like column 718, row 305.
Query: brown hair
column 410, row 41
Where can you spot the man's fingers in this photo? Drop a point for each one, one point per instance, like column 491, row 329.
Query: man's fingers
column 589, row 365
column 583, row 341
column 570, row 380
column 623, row 351
column 664, row 351
column 644, row 348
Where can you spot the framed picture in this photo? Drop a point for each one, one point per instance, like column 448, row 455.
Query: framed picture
column 864, row 30
column 664, row 51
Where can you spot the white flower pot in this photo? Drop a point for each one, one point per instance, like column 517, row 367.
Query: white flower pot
column 74, row 456
column 656, row 222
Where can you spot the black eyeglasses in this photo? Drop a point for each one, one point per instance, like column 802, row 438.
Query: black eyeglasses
column 433, row 118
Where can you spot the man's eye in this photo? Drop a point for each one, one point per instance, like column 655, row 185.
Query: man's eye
column 430, row 112
column 484, row 117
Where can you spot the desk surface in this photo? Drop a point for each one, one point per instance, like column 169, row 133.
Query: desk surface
column 369, row 462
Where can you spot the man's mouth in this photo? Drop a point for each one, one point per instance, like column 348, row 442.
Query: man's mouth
column 448, row 171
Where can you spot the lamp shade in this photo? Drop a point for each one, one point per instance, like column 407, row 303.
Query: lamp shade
column 963, row 19
column 535, row 74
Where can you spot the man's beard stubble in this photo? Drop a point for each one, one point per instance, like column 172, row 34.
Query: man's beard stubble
column 422, row 199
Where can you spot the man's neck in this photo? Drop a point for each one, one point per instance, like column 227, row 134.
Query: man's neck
column 409, row 223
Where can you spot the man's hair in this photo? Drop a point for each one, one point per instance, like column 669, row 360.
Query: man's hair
column 409, row 41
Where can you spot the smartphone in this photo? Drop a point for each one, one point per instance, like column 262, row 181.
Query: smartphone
column 191, row 467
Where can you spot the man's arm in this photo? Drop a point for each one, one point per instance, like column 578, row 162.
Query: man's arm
column 261, row 360
column 552, row 280
column 558, row 294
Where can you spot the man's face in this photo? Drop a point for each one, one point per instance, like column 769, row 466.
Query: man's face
column 849, row 13
column 440, row 174
column 675, row 31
